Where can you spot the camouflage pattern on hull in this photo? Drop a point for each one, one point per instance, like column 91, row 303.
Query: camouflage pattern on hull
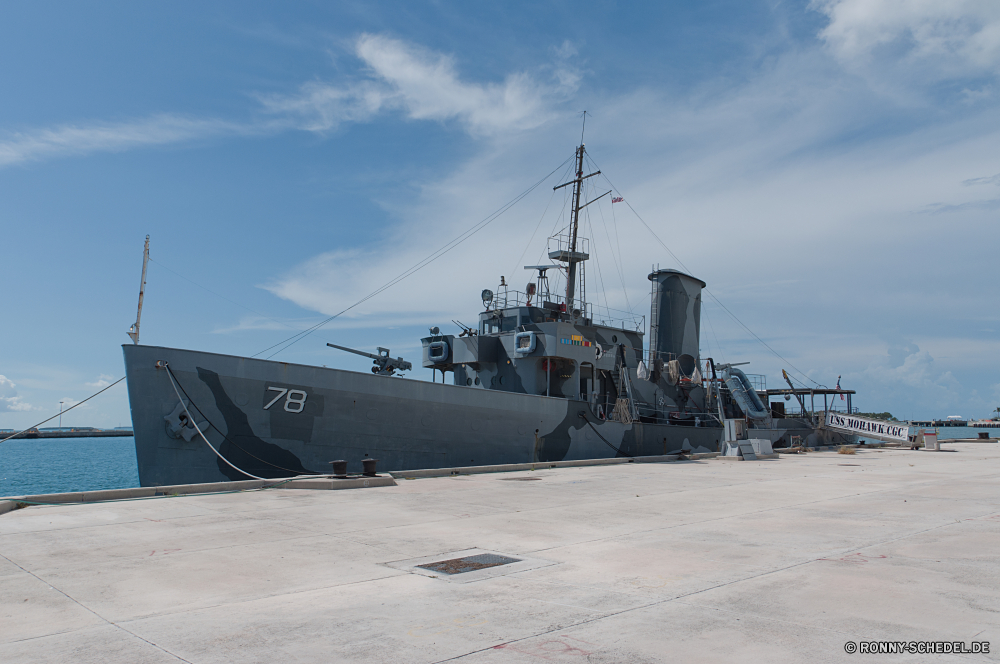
column 275, row 419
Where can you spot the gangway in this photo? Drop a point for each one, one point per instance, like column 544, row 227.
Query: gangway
column 845, row 423
column 889, row 432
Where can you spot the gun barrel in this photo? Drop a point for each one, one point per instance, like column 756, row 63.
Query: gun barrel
column 356, row 352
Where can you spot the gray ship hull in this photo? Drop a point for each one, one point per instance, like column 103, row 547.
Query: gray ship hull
column 274, row 419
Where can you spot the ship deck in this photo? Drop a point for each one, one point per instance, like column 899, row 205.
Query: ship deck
column 776, row 560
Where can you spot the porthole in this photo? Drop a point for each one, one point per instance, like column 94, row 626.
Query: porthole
column 477, row 380
column 614, row 338
column 468, row 381
column 501, row 380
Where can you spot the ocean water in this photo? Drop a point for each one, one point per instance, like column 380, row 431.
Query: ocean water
column 56, row 465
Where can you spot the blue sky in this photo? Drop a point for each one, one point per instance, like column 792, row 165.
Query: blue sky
column 830, row 168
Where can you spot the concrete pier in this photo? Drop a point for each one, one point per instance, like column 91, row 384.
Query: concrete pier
column 779, row 560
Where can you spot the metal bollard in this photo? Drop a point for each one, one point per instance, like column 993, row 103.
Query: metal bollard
column 339, row 469
column 369, row 466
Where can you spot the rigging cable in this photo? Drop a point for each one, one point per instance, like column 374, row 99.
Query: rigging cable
column 619, row 265
column 567, row 197
column 290, row 341
column 151, row 260
column 64, row 411
column 619, row 261
column 600, row 275
column 618, row 242
column 539, row 225
column 712, row 327
column 558, row 268
column 711, row 294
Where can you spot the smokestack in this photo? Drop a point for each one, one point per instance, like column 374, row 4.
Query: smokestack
column 675, row 317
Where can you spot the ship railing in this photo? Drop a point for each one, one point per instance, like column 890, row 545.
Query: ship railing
column 508, row 299
column 650, row 412
column 591, row 313
column 797, row 411
column 625, row 320
column 564, row 242
column 757, row 381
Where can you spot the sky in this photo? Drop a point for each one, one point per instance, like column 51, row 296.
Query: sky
column 831, row 168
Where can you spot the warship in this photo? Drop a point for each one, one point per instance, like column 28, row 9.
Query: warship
column 544, row 376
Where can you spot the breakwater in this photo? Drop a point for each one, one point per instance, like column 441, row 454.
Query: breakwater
column 70, row 433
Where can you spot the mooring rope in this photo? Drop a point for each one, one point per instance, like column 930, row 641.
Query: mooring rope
column 606, row 442
column 201, row 412
column 170, row 374
column 64, row 411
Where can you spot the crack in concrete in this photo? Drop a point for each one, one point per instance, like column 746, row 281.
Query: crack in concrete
column 90, row 610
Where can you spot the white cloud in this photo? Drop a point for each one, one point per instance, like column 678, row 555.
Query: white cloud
column 334, row 280
column 783, row 193
column 80, row 139
column 396, row 76
column 905, row 364
column 9, row 399
column 911, row 375
column 323, row 107
column 426, row 86
column 263, row 323
column 950, row 38
column 102, row 381
column 993, row 179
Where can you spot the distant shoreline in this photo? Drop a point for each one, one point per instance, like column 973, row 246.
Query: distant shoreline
column 88, row 433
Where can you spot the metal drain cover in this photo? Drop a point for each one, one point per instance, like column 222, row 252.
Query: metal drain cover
column 469, row 563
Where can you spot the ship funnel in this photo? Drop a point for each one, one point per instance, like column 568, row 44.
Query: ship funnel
column 675, row 318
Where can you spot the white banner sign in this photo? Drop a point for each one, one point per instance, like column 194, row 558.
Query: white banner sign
column 864, row 426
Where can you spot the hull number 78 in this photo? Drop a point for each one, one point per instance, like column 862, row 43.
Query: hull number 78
column 295, row 400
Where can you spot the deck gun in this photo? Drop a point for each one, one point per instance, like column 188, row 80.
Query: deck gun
column 384, row 365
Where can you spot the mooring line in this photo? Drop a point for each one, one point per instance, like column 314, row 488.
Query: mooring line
column 170, row 374
column 606, row 442
column 64, row 411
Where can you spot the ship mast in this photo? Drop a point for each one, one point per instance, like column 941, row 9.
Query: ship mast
column 134, row 330
column 571, row 268
column 572, row 257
